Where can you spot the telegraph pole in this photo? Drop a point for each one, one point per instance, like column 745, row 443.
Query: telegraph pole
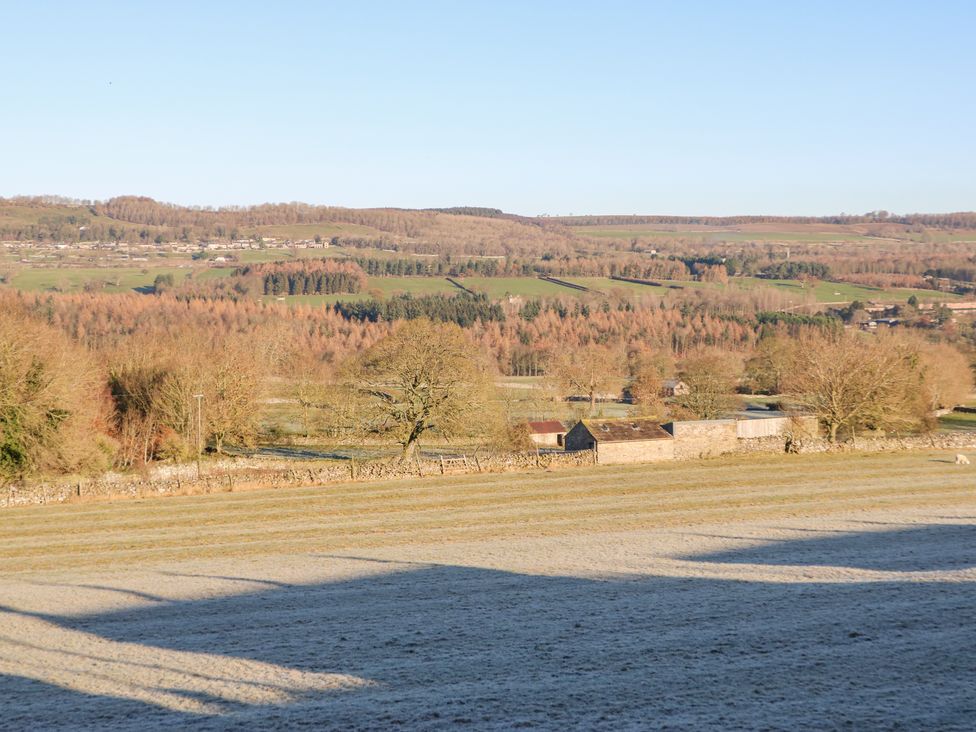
column 199, row 398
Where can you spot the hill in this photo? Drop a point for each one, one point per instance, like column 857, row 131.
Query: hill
column 464, row 230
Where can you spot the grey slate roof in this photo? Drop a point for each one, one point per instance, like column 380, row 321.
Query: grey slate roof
column 625, row 430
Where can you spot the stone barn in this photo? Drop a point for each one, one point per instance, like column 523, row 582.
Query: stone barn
column 548, row 433
column 621, row 440
column 703, row 437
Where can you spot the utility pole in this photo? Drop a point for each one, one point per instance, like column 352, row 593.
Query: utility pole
column 199, row 398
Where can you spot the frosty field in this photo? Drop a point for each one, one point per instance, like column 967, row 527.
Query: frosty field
column 772, row 592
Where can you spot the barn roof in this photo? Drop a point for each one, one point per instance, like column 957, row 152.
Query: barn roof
column 625, row 430
column 546, row 427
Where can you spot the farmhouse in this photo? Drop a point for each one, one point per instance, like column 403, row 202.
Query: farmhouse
column 674, row 387
column 549, row 433
column 621, row 440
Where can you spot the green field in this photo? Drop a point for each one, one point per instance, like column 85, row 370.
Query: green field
column 116, row 279
column 497, row 287
column 840, row 292
column 125, row 278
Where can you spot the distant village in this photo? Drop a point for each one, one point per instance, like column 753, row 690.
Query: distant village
column 217, row 251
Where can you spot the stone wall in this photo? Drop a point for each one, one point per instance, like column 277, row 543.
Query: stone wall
column 748, row 429
column 231, row 475
column 637, row 451
column 703, row 438
column 940, row 441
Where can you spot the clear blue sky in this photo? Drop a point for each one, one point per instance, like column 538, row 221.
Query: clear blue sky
column 533, row 107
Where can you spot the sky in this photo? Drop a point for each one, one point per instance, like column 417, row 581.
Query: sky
column 567, row 107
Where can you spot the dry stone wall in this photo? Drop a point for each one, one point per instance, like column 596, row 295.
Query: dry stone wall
column 229, row 475
column 703, row 438
column 249, row 474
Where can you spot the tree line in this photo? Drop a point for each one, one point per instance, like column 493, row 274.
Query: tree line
column 462, row 309
column 306, row 277
column 92, row 381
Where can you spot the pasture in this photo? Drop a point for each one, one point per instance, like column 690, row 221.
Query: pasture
column 112, row 279
column 122, row 277
column 814, row 591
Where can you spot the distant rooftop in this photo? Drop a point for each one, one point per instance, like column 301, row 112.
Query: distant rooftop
column 547, row 427
column 625, row 430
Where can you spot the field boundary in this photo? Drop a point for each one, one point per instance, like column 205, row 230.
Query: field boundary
column 297, row 474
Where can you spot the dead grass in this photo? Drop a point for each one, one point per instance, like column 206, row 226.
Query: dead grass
column 471, row 508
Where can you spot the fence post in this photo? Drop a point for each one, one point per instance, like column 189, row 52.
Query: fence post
column 442, row 465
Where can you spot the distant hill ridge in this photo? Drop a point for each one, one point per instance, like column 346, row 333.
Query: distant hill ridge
column 469, row 230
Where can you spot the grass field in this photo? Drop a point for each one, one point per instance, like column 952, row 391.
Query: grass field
column 821, row 591
column 844, row 292
column 123, row 278
column 116, row 279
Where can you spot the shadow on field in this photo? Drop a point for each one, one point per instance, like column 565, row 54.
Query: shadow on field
column 446, row 645
column 911, row 549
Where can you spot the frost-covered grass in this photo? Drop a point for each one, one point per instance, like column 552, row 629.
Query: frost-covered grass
column 821, row 591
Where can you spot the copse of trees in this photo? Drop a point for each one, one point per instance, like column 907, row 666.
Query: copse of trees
column 51, row 405
column 306, row 277
column 153, row 385
column 794, row 270
column 855, row 382
column 462, row 309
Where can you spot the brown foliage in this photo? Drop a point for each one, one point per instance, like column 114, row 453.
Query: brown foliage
column 51, row 402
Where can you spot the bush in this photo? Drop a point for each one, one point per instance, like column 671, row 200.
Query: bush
column 51, row 403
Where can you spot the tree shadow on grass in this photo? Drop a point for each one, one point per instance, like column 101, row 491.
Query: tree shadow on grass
column 908, row 549
column 446, row 645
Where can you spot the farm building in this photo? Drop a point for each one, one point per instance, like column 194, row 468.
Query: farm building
column 703, row 437
column 754, row 425
column 621, row 440
column 549, row 433
column 674, row 387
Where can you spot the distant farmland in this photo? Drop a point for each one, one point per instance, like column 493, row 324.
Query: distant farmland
column 127, row 278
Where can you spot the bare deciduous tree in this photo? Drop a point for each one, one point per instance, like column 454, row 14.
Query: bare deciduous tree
column 852, row 381
column 424, row 377
column 587, row 371
column 648, row 370
column 711, row 375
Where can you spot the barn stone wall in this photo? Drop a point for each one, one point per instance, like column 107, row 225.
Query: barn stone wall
column 547, row 439
column 634, row 451
column 703, row 438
